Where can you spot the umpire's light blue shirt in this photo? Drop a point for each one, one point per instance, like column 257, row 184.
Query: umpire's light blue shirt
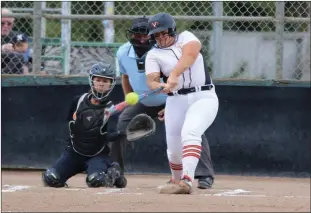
column 127, row 65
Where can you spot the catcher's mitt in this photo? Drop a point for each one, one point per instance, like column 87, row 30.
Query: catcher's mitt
column 140, row 126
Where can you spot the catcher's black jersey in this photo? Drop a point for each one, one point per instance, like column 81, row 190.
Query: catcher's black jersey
column 88, row 133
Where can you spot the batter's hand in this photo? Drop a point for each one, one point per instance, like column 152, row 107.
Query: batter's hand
column 161, row 115
column 172, row 82
column 165, row 88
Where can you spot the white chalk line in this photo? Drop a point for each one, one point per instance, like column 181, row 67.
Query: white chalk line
column 298, row 197
column 232, row 192
column 244, row 193
column 117, row 191
column 224, row 193
column 233, row 195
column 14, row 188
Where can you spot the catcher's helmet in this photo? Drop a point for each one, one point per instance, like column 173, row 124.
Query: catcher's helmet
column 103, row 70
column 161, row 22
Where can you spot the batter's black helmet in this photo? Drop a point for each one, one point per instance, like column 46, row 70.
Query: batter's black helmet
column 161, row 22
column 104, row 70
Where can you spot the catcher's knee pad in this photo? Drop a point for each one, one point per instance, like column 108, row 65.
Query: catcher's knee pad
column 174, row 157
column 97, row 179
column 121, row 182
column 51, row 178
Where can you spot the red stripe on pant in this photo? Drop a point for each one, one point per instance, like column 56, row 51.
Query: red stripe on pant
column 192, row 151
column 191, row 155
column 192, row 146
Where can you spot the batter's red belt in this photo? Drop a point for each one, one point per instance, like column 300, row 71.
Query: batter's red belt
column 186, row 91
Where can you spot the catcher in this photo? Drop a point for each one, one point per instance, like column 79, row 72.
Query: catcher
column 87, row 149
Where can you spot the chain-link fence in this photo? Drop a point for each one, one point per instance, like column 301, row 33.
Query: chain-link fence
column 242, row 40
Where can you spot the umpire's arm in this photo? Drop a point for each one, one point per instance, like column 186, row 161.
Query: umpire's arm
column 126, row 86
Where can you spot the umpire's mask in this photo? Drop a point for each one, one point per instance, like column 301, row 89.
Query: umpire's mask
column 138, row 36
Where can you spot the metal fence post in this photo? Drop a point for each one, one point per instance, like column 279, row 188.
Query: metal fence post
column 66, row 36
column 108, row 24
column 37, row 22
column 279, row 30
column 217, row 39
column 43, row 20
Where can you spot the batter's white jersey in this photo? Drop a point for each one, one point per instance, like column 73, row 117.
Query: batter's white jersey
column 165, row 59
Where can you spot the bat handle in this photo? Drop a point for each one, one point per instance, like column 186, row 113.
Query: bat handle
column 150, row 93
column 121, row 106
column 116, row 108
column 159, row 89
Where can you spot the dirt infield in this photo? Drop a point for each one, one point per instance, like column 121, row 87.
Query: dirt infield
column 23, row 191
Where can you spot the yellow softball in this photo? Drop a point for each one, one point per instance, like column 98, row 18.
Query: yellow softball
column 132, row 98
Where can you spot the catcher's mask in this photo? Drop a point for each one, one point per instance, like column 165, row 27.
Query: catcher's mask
column 138, row 36
column 102, row 80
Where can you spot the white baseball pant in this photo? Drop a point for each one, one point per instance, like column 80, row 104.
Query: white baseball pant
column 187, row 117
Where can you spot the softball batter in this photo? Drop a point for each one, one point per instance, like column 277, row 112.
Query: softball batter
column 192, row 103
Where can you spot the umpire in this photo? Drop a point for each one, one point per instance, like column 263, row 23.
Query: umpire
column 131, row 58
column 87, row 149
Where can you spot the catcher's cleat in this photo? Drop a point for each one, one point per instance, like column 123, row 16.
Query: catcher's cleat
column 113, row 174
column 121, row 182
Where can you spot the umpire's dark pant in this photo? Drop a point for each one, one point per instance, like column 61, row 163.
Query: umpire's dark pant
column 205, row 166
column 71, row 163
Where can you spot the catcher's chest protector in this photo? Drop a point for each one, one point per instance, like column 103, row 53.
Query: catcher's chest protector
column 88, row 132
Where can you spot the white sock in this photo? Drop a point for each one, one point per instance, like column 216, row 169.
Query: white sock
column 190, row 158
column 176, row 170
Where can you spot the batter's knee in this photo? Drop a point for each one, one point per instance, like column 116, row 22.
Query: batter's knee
column 97, row 179
column 51, row 178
